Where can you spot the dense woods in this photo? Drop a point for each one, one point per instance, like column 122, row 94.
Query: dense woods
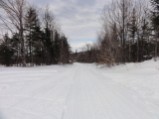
column 130, row 33
column 32, row 37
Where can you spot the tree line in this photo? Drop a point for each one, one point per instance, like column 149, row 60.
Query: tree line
column 130, row 33
column 31, row 36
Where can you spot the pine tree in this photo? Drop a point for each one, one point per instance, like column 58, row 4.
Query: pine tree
column 57, row 47
column 155, row 22
column 132, row 28
column 6, row 51
column 15, row 41
column 33, row 32
column 64, row 50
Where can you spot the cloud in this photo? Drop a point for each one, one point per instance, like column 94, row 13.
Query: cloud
column 79, row 19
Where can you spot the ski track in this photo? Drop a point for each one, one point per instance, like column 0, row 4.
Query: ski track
column 74, row 92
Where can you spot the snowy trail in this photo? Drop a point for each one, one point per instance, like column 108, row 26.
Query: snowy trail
column 96, row 97
column 74, row 92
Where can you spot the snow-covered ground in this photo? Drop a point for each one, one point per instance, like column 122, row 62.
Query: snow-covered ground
column 80, row 91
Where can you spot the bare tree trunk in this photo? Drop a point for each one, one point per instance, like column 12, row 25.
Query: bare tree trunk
column 123, row 31
column 14, row 10
column 21, row 33
column 138, row 46
column 156, row 49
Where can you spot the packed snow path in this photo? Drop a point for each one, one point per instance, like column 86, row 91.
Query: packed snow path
column 71, row 92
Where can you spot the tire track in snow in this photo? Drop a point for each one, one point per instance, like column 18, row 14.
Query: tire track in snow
column 113, row 102
column 73, row 78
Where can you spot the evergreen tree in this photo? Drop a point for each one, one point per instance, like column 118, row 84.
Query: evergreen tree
column 132, row 27
column 155, row 22
column 15, row 42
column 57, row 47
column 6, row 51
column 33, row 32
column 43, row 46
column 64, row 50
column 48, row 45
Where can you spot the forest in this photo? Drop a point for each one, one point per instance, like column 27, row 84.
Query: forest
column 129, row 33
column 32, row 37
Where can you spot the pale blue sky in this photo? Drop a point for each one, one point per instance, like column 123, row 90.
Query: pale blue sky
column 78, row 19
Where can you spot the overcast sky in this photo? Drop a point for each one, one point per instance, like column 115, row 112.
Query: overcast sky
column 78, row 19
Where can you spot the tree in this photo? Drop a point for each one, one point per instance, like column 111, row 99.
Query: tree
column 119, row 13
column 132, row 28
column 64, row 50
column 32, row 27
column 15, row 12
column 29, row 41
column 155, row 23
column 6, row 51
column 57, row 47
column 16, row 46
column 49, row 36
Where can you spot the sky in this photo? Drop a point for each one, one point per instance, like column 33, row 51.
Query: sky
column 79, row 20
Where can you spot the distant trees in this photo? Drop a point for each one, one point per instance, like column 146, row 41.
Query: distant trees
column 89, row 55
column 30, row 42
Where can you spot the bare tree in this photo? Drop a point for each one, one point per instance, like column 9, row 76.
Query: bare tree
column 49, row 22
column 117, row 17
column 14, row 19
